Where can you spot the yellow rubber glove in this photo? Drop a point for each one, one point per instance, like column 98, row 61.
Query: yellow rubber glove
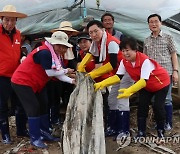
column 100, row 71
column 107, row 82
column 81, row 67
column 124, row 93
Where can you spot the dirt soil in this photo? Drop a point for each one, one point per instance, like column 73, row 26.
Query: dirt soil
column 111, row 146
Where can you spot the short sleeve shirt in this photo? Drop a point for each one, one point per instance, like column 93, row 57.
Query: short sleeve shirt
column 160, row 49
column 146, row 69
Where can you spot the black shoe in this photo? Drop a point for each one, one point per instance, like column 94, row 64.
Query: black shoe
column 109, row 132
column 160, row 133
column 141, row 134
column 6, row 139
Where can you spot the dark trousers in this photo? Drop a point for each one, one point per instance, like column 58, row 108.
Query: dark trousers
column 7, row 92
column 54, row 92
column 105, row 107
column 66, row 90
column 145, row 99
column 35, row 104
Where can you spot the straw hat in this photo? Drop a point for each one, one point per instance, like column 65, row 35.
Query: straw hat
column 10, row 11
column 65, row 26
column 59, row 37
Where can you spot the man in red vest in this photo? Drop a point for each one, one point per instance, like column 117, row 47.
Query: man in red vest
column 105, row 51
column 10, row 55
column 119, row 110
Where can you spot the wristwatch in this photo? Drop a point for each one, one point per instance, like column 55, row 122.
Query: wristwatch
column 175, row 70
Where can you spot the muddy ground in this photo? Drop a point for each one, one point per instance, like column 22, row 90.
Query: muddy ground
column 111, row 146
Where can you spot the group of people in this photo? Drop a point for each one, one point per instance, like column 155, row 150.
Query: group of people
column 28, row 79
column 108, row 57
column 152, row 72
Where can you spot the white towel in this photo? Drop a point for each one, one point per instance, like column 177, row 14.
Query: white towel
column 69, row 54
column 94, row 48
column 56, row 63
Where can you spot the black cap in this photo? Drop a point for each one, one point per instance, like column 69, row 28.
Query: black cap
column 83, row 35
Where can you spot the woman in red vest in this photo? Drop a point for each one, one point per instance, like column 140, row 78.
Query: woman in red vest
column 150, row 80
column 29, row 82
column 84, row 42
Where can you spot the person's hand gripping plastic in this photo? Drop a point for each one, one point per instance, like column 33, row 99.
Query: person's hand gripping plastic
column 81, row 67
column 125, row 93
column 100, row 71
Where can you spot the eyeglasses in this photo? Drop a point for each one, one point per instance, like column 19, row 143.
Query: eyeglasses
column 92, row 32
column 154, row 22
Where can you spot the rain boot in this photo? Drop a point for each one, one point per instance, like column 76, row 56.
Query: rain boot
column 169, row 112
column 141, row 127
column 34, row 132
column 123, row 120
column 111, row 129
column 4, row 127
column 21, row 120
column 44, row 129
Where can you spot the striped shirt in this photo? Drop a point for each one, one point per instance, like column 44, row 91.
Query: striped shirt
column 160, row 48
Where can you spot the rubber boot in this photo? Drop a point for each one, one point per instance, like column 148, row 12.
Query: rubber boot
column 141, row 127
column 21, row 130
column 123, row 120
column 169, row 112
column 44, row 129
column 160, row 129
column 4, row 127
column 34, row 132
column 111, row 129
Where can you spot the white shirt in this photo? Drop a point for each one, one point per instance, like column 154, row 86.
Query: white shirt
column 146, row 69
column 113, row 47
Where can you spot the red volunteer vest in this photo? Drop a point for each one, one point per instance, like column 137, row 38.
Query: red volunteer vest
column 9, row 53
column 31, row 74
column 119, row 57
column 158, row 79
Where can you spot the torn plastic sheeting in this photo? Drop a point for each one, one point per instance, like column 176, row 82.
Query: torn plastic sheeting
column 83, row 130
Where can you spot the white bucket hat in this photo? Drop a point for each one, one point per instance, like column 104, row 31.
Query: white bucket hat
column 59, row 37
column 66, row 26
column 10, row 11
